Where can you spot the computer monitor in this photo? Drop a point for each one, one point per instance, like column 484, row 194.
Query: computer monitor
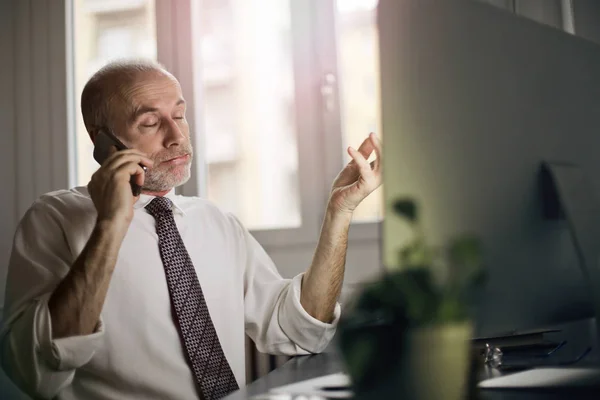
column 474, row 99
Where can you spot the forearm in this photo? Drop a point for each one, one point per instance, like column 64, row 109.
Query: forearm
column 76, row 303
column 322, row 282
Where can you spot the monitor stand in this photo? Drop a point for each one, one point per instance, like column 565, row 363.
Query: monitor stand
column 567, row 194
column 578, row 204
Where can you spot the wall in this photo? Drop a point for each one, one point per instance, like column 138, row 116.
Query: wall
column 34, row 141
column 586, row 14
column 8, row 214
column 8, row 209
column 546, row 11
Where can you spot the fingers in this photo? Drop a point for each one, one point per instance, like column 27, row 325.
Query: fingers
column 140, row 177
column 362, row 163
column 126, row 156
column 123, row 171
column 370, row 144
column 366, row 147
column 112, row 160
column 378, row 150
column 126, row 171
column 129, row 169
column 121, row 165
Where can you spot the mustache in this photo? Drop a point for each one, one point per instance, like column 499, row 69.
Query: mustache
column 168, row 154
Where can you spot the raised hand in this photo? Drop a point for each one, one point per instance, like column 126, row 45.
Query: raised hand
column 359, row 178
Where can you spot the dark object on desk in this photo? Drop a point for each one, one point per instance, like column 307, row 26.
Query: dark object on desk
column 515, row 358
column 337, row 388
column 516, row 338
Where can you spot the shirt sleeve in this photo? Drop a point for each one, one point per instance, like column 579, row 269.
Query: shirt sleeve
column 37, row 363
column 274, row 318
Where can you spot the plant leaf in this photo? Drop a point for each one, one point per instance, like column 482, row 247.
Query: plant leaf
column 406, row 208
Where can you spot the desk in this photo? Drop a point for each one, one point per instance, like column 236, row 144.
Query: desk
column 306, row 367
column 297, row 369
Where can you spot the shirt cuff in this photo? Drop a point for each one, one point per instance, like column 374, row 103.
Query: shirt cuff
column 65, row 353
column 303, row 329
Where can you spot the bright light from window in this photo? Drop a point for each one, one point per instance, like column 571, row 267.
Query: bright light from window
column 358, row 67
column 350, row 6
column 248, row 105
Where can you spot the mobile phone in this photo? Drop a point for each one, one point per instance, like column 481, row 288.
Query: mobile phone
column 104, row 140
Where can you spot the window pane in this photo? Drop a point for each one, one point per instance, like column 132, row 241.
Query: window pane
column 247, row 105
column 358, row 68
column 106, row 30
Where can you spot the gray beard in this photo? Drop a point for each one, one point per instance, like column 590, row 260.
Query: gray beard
column 160, row 181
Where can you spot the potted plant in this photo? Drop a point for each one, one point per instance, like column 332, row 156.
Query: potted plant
column 408, row 334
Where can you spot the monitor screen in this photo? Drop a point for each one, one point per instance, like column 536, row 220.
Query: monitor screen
column 474, row 99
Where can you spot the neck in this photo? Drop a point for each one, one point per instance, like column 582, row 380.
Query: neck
column 157, row 194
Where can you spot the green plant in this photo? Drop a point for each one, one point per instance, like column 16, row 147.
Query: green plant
column 439, row 285
column 431, row 286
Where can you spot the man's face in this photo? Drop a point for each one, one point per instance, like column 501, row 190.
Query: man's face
column 152, row 121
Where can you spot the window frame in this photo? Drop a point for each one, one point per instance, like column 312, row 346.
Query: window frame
column 325, row 38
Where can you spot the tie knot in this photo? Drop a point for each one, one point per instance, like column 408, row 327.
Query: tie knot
column 160, row 206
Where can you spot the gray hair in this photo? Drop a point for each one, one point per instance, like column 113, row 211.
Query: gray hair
column 107, row 84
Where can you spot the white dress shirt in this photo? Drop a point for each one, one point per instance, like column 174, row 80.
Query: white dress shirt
column 136, row 352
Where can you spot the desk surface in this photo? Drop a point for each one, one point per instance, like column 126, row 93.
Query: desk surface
column 306, row 367
column 297, row 369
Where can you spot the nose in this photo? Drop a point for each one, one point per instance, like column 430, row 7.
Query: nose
column 174, row 135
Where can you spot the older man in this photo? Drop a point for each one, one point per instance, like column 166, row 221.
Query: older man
column 116, row 296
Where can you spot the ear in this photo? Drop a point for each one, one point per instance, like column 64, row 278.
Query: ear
column 93, row 132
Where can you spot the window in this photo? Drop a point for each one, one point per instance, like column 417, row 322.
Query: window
column 248, row 103
column 264, row 74
column 248, row 110
column 106, row 30
column 358, row 73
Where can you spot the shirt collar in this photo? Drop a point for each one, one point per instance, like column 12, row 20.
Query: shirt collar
column 145, row 199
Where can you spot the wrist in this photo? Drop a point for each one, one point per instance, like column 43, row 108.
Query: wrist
column 336, row 220
column 338, row 213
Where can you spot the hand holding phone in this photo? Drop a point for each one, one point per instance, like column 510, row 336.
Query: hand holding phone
column 102, row 149
column 114, row 185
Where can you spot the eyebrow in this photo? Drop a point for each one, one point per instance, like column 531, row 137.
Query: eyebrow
column 141, row 110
